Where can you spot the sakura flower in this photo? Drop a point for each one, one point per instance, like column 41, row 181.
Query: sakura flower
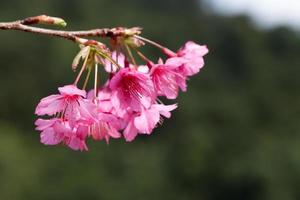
column 189, row 57
column 56, row 131
column 131, row 89
column 70, row 103
column 107, row 124
column 106, row 127
column 75, row 137
column 103, row 99
column 68, row 97
column 167, row 80
column 148, row 118
column 49, row 136
column 126, row 105
column 145, row 121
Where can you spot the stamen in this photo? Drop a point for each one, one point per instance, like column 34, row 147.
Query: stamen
column 133, row 88
column 161, row 120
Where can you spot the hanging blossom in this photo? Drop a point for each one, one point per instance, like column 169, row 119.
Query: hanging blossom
column 128, row 104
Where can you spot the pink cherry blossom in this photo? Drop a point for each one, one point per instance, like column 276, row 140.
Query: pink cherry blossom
column 49, row 136
column 145, row 121
column 131, row 89
column 106, row 127
column 75, row 137
column 189, row 58
column 70, row 103
column 56, row 131
column 167, row 80
column 126, row 105
column 68, row 97
column 107, row 124
column 148, row 118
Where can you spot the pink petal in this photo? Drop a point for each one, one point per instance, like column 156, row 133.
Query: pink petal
column 131, row 89
column 87, row 110
column 164, row 109
column 143, row 69
column 43, row 124
column 72, row 113
column 105, row 106
column 191, row 47
column 147, row 120
column 104, row 94
column 76, row 143
column 114, row 133
column 175, row 61
column 71, row 90
column 63, row 128
column 50, row 105
column 50, row 137
column 130, row 132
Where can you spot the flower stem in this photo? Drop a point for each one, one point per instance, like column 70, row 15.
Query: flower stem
column 150, row 42
column 164, row 49
column 109, row 58
column 96, row 80
column 130, row 54
column 87, row 78
column 142, row 55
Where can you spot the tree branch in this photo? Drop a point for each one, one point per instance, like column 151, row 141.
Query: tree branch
column 24, row 25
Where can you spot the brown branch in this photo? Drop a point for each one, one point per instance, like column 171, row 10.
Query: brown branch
column 24, row 25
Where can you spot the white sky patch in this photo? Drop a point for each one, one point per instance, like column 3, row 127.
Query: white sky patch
column 266, row 13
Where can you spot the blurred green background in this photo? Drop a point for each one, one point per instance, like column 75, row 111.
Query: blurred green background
column 234, row 136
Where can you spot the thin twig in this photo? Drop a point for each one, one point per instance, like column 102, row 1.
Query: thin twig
column 24, row 25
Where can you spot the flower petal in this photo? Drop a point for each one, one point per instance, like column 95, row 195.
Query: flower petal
column 71, row 90
column 50, row 137
column 130, row 132
column 147, row 120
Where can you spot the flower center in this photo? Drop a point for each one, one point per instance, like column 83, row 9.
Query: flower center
column 132, row 87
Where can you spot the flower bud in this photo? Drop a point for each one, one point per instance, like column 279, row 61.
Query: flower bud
column 44, row 19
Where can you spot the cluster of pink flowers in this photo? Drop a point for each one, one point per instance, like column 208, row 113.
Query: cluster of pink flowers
column 125, row 106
